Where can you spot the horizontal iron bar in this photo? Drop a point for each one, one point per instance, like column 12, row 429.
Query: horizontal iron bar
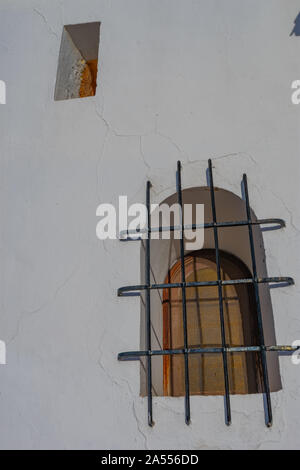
column 132, row 355
column 132, row 290
column 172, row 228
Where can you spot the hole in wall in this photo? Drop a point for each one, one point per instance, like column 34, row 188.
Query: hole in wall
column 78, row 61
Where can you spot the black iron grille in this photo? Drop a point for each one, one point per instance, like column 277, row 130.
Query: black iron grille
column 255, row 280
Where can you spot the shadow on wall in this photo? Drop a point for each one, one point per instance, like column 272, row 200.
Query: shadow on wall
column 296, row 29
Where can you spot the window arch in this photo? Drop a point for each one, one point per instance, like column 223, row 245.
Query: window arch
column 203, row 323
column 233, row 244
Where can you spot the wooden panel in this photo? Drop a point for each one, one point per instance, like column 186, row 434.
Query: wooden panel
column 203, row 320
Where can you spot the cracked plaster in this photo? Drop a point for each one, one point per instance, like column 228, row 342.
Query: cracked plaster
column 174, row 82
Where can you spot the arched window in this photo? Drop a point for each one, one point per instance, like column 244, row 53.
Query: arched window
column 240, row 313
column 185, row 338
column 203, row 324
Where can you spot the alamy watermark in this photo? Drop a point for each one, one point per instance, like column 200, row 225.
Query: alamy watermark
column 296, row 355
column 2, row 343
column 166, row 222
column 2, row 352
column 296, row 94
column 2, row 92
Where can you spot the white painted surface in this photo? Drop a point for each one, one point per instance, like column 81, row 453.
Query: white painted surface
column 188, row 80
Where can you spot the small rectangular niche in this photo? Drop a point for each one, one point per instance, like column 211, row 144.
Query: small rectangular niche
column 78, row 61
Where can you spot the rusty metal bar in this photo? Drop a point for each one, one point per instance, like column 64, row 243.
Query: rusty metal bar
column 220, row 292
column 134, row 355
column 125, row 234
column 148, row 307
column 135, row 290
column 258, row 310
column 184, row 317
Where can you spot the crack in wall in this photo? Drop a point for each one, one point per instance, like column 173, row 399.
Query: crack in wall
column 132, row 398
column 49, row 27
column 28, row 313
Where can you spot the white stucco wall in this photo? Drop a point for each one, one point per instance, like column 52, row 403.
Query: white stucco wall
column 186, row 79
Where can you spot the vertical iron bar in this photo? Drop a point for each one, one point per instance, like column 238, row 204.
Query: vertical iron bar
column 148, row 308
column 258, row 308
column 223, row 333
column 184, row 316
